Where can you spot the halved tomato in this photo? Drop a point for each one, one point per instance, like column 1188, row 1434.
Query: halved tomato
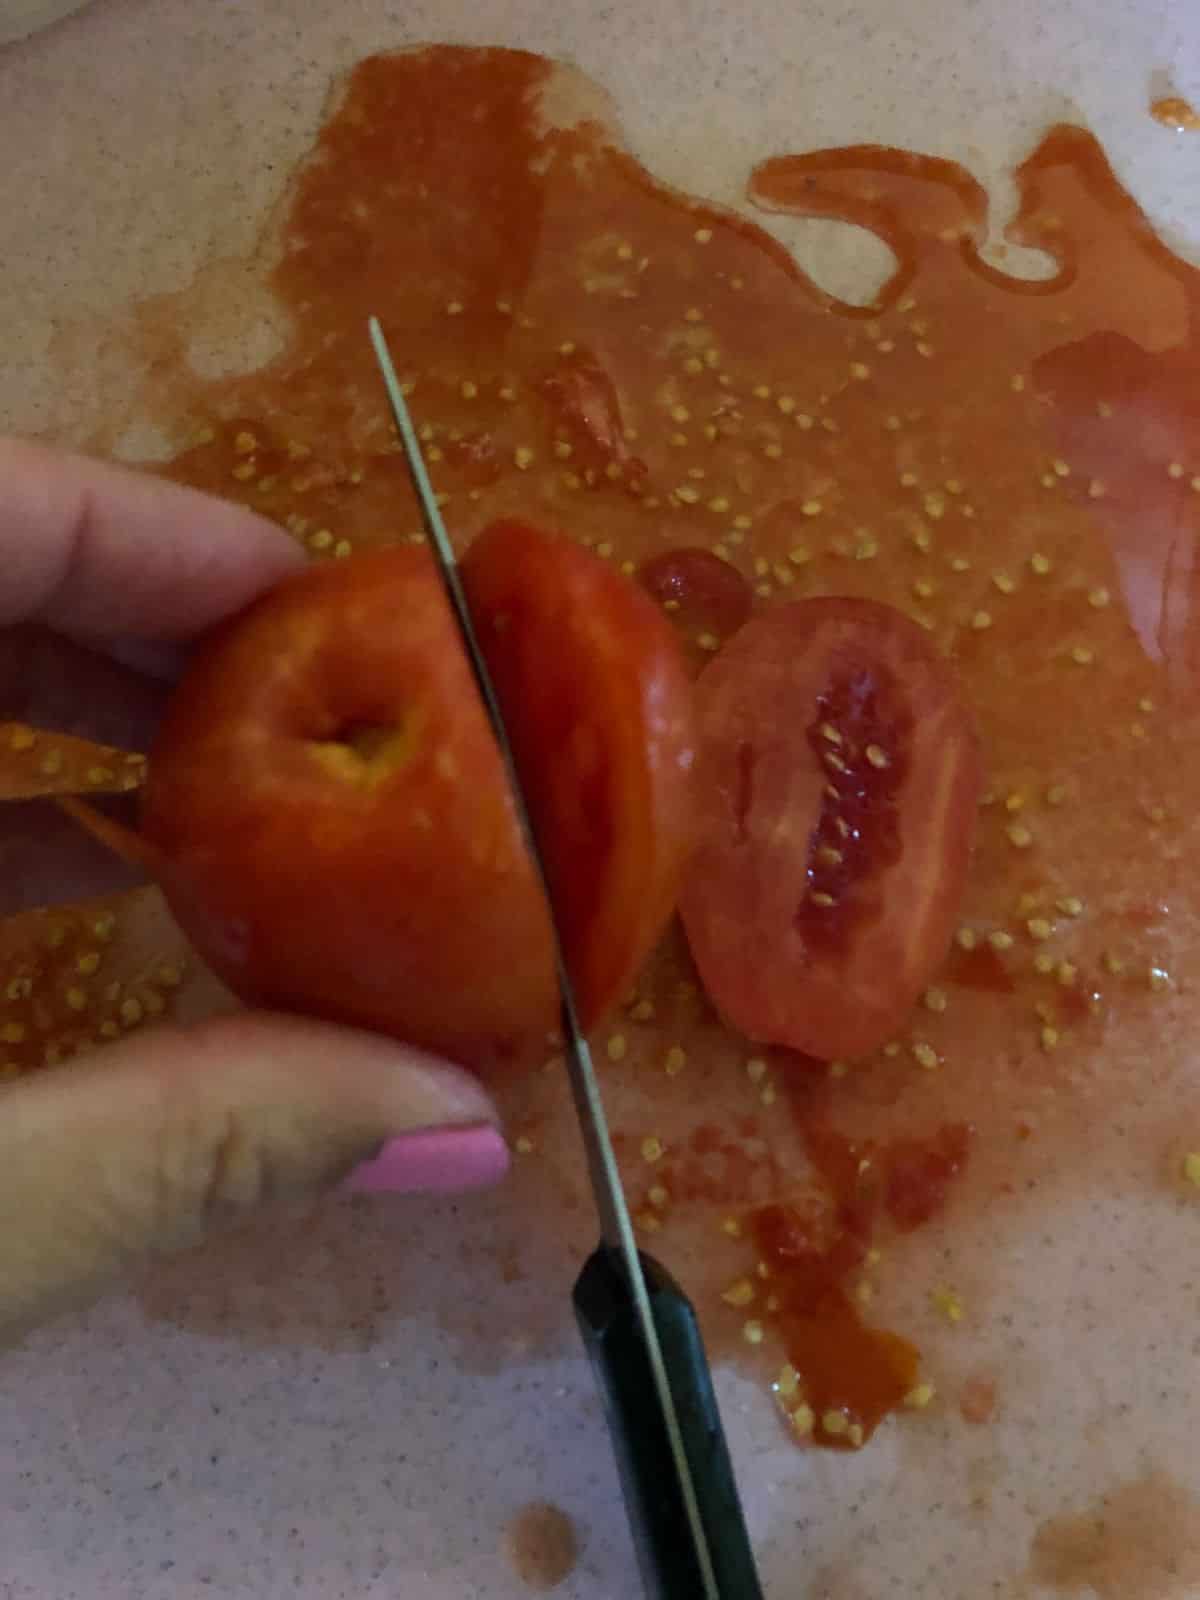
column 330, row 818
column 599, row 710
column 333, row 818
column 838, row 781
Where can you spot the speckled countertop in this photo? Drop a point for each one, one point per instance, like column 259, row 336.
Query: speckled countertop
column 323, row 1409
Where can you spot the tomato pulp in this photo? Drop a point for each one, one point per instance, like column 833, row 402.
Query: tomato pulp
column 336, row 824
column 838, row 784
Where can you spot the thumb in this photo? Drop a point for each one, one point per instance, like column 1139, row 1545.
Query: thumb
column 156, row 1141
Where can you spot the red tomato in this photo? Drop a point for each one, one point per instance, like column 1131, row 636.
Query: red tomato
column 599, row 710
column 335, row 823
column 837, row 786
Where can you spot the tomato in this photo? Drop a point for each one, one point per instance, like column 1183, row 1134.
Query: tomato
column 333, row 823
column 837, row 789
column 599, row 711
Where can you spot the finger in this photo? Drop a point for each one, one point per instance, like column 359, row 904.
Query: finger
column 98, row 551
column 169, row 1136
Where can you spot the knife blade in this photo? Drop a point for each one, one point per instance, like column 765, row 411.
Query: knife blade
column 676, row 1473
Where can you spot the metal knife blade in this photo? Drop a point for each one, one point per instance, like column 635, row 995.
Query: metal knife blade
column 615, row 1223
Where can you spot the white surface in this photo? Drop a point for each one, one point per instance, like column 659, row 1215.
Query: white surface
column 20, row 18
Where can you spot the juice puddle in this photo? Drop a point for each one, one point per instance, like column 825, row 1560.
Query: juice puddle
column 1015, row 464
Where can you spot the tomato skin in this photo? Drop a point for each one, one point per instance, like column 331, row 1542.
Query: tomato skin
column 390, row 888
column 598, row 706
column 836, row 978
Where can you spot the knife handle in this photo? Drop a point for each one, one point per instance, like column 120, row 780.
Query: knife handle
column 608, row 1321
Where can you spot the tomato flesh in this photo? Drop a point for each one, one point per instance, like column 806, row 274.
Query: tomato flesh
column 335, row 821
column 598, row 708
column 837, row 789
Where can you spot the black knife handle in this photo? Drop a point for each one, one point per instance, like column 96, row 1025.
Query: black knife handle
column 608, row 1321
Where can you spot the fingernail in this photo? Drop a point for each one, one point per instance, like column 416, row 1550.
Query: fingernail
column 435, row 1161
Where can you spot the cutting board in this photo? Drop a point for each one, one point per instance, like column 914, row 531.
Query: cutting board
column 366, row 1404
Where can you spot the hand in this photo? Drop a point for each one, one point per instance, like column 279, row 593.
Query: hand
column 149, row 1143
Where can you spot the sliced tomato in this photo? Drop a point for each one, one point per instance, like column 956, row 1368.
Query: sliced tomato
column 837, row 788
column 599, row 709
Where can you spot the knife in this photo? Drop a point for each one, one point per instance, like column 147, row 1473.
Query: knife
column 639, row 1328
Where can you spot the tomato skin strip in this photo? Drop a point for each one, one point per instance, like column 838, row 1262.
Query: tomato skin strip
column 38, row 763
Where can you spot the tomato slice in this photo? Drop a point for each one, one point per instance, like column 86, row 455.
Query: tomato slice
column 337, row 823
column 598, row 707
column 838, row 783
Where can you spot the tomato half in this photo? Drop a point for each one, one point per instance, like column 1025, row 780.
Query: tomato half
column 837, row 787
column 335, row 818
column 333, row 821
column 706, row 597
column 599, row 710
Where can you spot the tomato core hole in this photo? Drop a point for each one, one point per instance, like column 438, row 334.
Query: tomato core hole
column 366, row 752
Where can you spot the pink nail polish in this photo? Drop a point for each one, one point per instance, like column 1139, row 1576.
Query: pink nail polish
column 434, row 1161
